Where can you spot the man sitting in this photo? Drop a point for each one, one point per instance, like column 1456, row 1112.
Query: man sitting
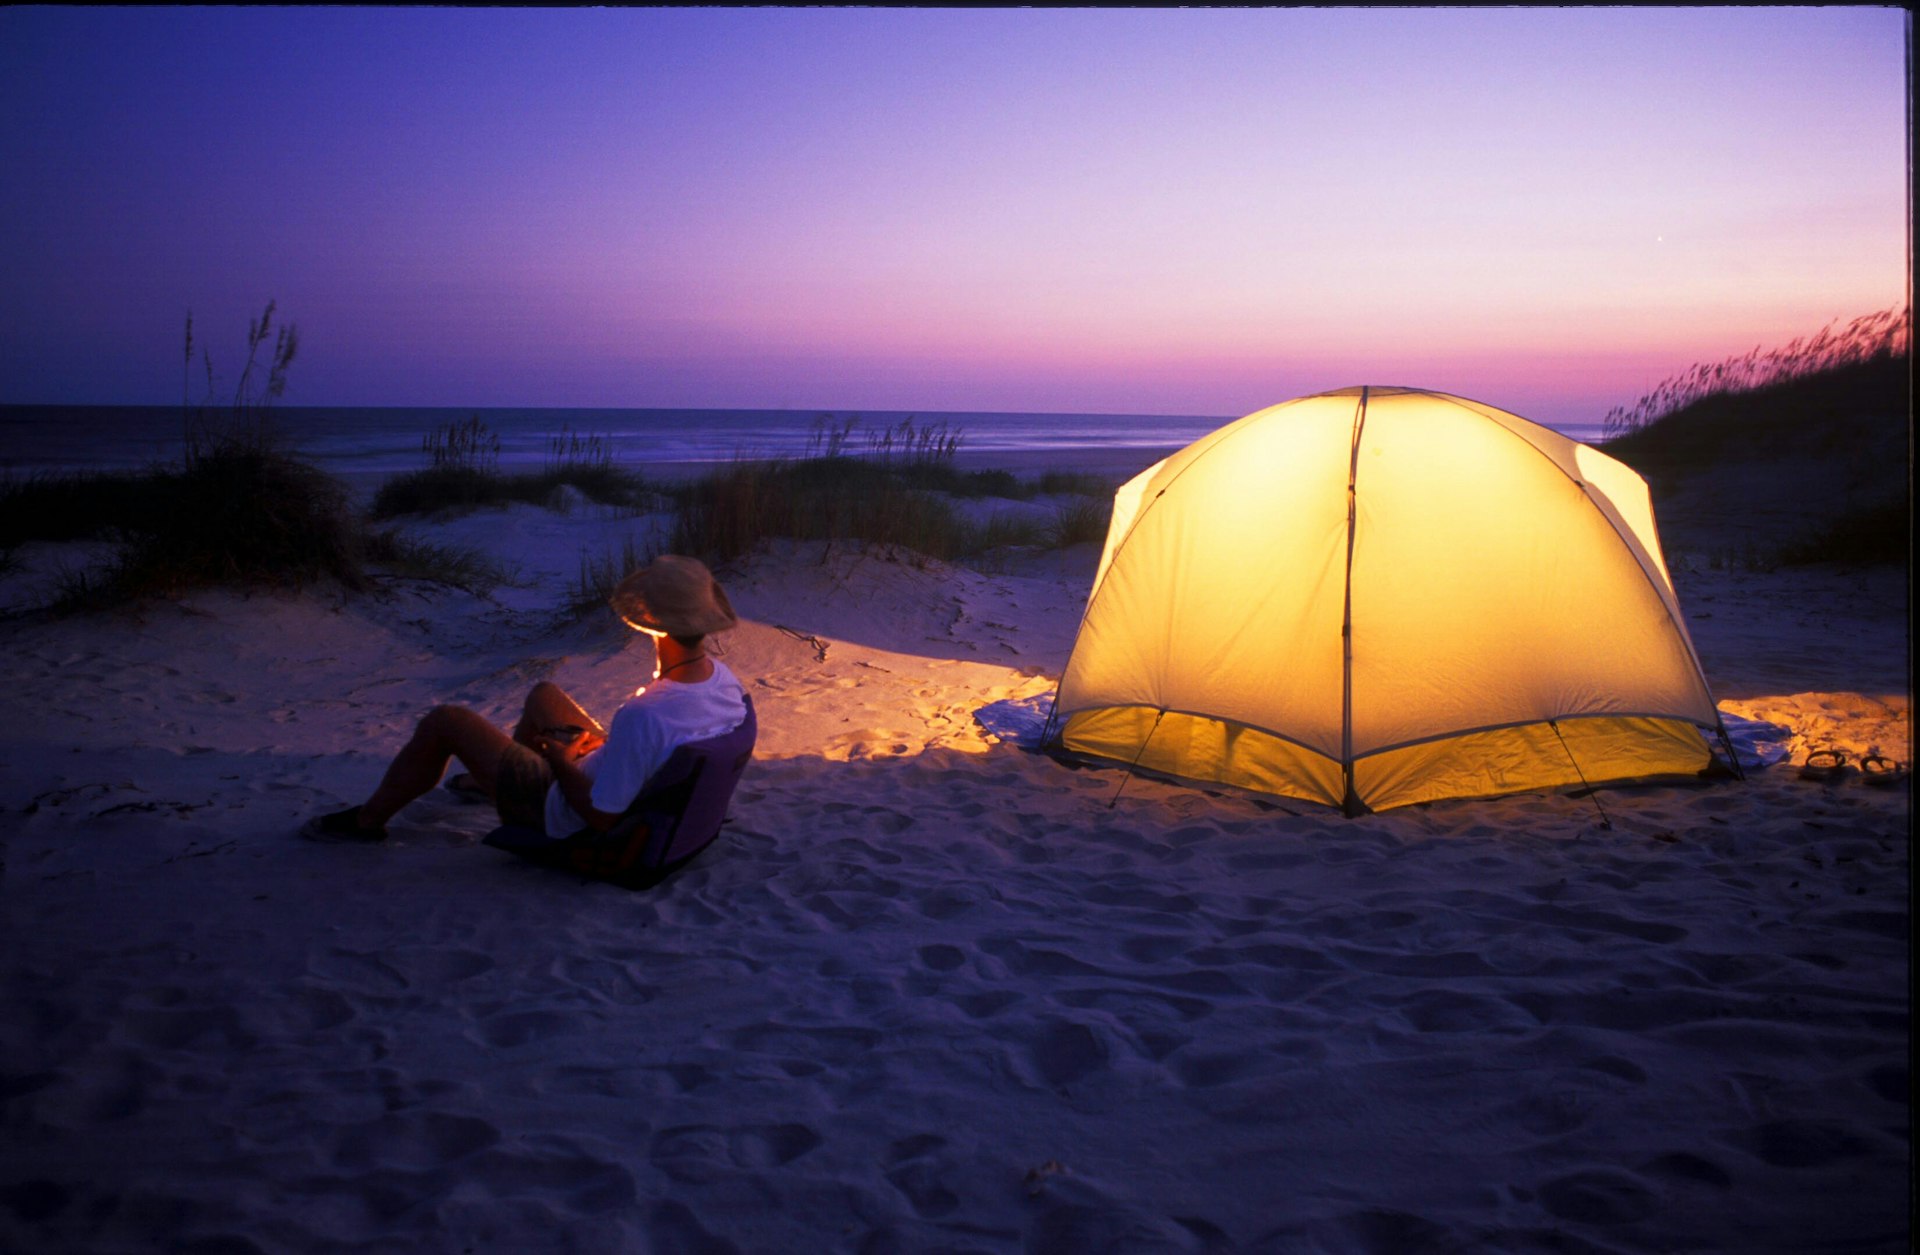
column 560, row 771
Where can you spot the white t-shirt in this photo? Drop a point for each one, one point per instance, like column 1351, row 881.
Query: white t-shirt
column 645, row 731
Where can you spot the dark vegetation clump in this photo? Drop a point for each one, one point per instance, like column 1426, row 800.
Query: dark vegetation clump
column 240, row 507
column 1866, row 535
column 464, row 474
column 894, row 492
column 77, row 505
column 725, row 514
column 1817, row 412
column 1884, row 337
column 1835, row 409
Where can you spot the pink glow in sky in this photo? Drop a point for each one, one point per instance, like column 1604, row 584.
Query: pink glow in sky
column 1141, row 211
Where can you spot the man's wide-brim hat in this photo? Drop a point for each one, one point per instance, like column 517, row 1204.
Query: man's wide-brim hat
column 675, row 595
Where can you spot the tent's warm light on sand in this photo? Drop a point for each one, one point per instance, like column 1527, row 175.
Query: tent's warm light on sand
column 1856, row 724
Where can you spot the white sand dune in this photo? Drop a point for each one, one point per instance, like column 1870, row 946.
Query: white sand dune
column 931, row 992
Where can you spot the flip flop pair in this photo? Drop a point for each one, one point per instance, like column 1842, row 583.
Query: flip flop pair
column 1827, row 766
column 1824, row 766
column 1883, row 772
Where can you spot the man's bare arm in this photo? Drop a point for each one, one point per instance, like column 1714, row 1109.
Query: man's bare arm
column 575, row 786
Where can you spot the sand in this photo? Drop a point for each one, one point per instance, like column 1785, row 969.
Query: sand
column 931, row 991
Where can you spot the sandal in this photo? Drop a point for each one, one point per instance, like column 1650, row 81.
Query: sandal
column 340, row 826
column 465, row 787
column 1877, row 770
column 1825, row 766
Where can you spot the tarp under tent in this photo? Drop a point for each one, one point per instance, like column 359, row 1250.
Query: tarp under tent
column 1381, row 596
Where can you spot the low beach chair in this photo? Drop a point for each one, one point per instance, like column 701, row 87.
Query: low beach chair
column 677, row 815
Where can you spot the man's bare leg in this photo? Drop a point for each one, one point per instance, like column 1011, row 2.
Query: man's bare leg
column 446, row 732
column 548, row 706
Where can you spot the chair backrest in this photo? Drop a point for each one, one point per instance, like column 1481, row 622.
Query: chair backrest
column 677, row 814
column 685, row 801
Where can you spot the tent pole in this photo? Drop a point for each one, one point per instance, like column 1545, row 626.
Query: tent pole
column 1726, row 743
column 1350, row 804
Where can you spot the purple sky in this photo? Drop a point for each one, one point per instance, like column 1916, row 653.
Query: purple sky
column 1144, row 211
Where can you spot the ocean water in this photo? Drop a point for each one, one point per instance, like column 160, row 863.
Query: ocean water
column 35, row 439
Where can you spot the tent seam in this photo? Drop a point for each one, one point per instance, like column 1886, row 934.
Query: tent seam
column 1673, row 623
column 1046, row 735
column 1540, row 721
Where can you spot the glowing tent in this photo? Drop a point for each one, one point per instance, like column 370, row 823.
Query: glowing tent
column 1381, row 596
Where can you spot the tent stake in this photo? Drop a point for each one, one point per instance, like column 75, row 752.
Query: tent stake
column 1142, row 753
column 1605, row 823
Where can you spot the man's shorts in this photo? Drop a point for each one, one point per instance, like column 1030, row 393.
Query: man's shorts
column 520, row 787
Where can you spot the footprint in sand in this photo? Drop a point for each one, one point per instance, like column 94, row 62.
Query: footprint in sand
column 770, row 1145
column 1600, row 1196
column 605, row 980
column 520, row 1028
column 415, row 1140
column 986, row 1006
column 440, row 965
column 672, row 1226
column 914, row 1167
column 942, row 958
column 1688, row 1169
column 103, row 1093
column 1804, row 1143
column 697, row 1153
column 1064, row 1052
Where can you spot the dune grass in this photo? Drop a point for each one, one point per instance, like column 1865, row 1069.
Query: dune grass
column 1838, row 397
column 240, row 508
column 1884, row 337
column 1817, row 411
column 1080, row 522
column 896, row 492
column 724, row 514
column 464, row 474
column 592, row 589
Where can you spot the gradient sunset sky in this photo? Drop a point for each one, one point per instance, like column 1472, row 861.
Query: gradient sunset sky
column 1134, row 211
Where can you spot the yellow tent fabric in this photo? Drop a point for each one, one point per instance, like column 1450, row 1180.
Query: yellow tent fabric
column 1379, row 596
